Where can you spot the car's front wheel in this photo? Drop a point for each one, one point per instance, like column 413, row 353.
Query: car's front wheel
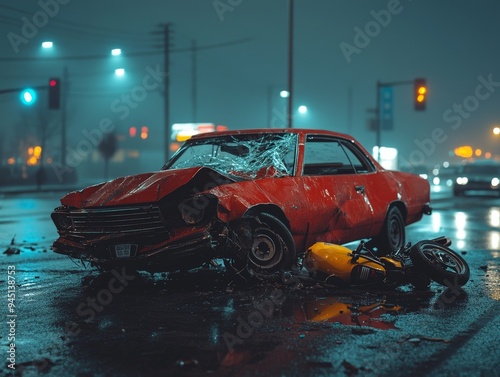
column 268, row 247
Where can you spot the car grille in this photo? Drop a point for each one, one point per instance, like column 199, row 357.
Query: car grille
column 127, row 220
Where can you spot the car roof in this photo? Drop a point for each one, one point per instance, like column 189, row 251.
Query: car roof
column 483, row 162
column 272, row 130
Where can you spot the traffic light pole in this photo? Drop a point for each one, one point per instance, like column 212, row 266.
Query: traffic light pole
column 378, row 130
column 13, row 90
column 65, row 91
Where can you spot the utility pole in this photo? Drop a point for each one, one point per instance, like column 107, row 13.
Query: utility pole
column 290, row 65
column 166, row 105
column 65, row 93
column 194, row 93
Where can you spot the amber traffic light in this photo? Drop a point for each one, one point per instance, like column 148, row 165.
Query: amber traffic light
column 420, row 94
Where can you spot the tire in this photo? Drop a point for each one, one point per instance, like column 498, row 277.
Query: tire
column 440, row 263
column 392, row 236
column 269, row 248
column 272, row 247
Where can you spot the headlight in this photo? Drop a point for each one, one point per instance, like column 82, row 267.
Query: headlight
column 198, row 208
column 191, row 211
column 495, row 182
column 462, row 180
column 62, row 221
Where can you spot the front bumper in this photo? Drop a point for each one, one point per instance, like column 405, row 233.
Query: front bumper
column 182, row 252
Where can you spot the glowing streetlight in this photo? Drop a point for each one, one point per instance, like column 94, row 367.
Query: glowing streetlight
column 116, row 51
column 47, row 44
column 302, row 109
column 120, row 72
column 284, row 94
column 496, row 130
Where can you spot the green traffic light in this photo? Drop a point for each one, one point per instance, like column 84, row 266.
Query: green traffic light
column 28, row 97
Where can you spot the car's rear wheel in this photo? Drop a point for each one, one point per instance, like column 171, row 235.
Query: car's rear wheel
column 392, row 236
column 270, row 247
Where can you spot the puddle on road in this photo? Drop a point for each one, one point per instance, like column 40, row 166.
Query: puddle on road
column 352, row 314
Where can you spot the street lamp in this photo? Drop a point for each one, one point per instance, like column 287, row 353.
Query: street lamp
column 496, row 130
column 120, row 72
column 116, row 51
column 47, row 44
column 302, row 109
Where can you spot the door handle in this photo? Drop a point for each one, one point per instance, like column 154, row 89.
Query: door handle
column 360, row 189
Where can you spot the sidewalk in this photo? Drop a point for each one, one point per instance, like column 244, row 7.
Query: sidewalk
column 28, row 189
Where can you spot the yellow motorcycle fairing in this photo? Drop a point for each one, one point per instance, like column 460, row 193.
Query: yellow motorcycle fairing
column 336, row 260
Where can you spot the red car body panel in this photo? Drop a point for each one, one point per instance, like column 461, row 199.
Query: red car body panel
column 331, row 208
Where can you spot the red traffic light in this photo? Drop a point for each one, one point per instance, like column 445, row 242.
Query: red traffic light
column 54, row 93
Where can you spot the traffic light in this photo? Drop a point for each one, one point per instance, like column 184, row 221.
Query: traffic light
column 54, row 93
column 420, row 94
column 28, row 97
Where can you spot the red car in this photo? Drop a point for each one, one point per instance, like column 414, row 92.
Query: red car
column 256, row 198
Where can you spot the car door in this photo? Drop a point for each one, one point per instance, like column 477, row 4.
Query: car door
column 334, row 176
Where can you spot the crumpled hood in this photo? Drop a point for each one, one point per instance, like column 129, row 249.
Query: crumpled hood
column 134, row 189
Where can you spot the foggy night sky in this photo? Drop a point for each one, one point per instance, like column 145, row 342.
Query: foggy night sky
column 450, row 43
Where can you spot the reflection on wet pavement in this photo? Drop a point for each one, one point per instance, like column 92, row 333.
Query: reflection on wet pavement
column 373, row 315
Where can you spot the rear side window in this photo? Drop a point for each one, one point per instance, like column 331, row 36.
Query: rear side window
column 330, row 156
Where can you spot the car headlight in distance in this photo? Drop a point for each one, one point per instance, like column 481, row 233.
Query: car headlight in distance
column 495, row 182
column 462, row 180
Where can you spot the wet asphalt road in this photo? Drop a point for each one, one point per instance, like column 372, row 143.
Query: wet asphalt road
column 203, row 323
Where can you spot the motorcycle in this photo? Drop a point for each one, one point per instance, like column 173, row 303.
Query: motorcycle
column 416, row 264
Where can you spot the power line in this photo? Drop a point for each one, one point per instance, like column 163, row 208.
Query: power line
column 76, row 25
column 131, row 54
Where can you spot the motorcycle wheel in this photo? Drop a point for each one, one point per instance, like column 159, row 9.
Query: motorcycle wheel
column 440, row 263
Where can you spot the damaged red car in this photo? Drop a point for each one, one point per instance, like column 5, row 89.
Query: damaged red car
column 255, row 198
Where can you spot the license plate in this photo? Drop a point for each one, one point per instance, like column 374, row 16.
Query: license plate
column 123, row 251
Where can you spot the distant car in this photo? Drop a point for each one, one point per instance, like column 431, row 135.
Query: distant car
column 478, row 175
column 445, row 175
column 256, row 198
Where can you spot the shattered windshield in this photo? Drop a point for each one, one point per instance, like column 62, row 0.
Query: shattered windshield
column 247, row 156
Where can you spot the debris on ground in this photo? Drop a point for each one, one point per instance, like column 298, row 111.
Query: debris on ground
column 12, row 250
column 350, row 369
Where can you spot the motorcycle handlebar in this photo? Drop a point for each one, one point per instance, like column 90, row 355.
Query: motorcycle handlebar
column 443, row 240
